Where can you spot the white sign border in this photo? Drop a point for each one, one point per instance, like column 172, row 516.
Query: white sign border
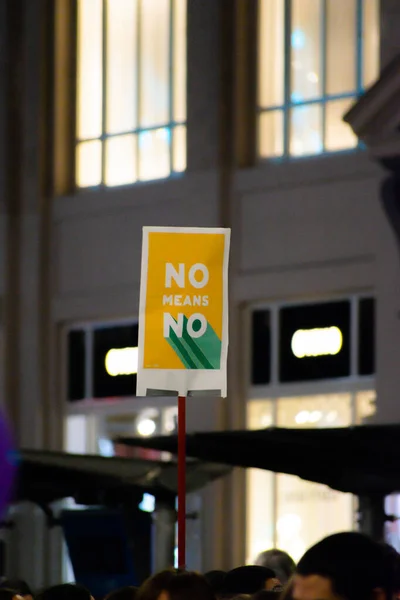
column 183, row 381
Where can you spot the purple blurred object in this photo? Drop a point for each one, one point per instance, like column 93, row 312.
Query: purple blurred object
column 8, row 464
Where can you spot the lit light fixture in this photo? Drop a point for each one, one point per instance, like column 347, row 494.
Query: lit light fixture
column 326, row 341
column 122, row 361
column 266, row 420
column 315, row 416
column 106, row 447
column 146, row 427
column 306, row 416
column 312, row 77
column 302, row 417
column 332, row 416
column 298, row 39
column 148, row 503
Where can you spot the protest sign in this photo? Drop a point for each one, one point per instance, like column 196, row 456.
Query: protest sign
column 183, row 319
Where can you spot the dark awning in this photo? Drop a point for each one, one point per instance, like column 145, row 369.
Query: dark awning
column 362, row 460
column 44, row 477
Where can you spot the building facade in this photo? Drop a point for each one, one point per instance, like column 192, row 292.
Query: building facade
column 233, row 118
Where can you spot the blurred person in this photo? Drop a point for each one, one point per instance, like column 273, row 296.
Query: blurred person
column 344, row 566
column 279, row 561
column 287, row 593
column 126, row 593
column 249, row 580
column 176, row 584
column 19, row 585
column 7, row 594
column 65, row 591
column 266, row 595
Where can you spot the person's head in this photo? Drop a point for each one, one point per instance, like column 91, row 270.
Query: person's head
column 216, row 579
column 175, row 585
column 344, row 566
column 65, row 591
column 19, row 585
column 279, row 561
column 126, row 593
column 287, row 593
column 7, row 594
column 249, row 580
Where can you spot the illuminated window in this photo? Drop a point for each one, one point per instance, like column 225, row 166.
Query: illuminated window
column 284, row 511
column 312, row 367
column 131, row 91
column 307, row 512
column 260, row 490
column 315, row 58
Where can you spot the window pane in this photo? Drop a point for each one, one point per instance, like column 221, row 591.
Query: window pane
column 306, row 49
column 261, row 358
column 260, row 490
column 271, row 52
column 270, row 134
column 366, row 336
column 154, row 154
column 179, row 149
column 338, row 134
column 154, row 62
column 307, row 512
column 88, row 164
column 306, row 130
column 111, row 376
column 179, row 64
column 371, row 28
column 120, row 160
column 90, row 69
column 76, row 364
column 341, row 46
column 121, row 65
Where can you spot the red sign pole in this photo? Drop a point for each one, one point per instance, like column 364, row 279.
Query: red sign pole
column 182, row 482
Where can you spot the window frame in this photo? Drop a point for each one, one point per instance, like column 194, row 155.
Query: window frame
column 288, row 105
column 275, row 388
column 170, row 126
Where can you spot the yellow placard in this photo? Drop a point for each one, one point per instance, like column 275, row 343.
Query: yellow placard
column 184, row 303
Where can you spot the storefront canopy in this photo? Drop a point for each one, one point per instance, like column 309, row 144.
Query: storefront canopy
column 45, row 477
column 362, row 460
